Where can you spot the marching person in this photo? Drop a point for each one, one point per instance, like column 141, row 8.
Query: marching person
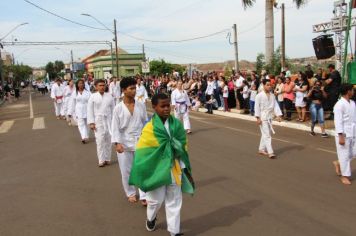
column 57, row 94
column 115, row 90
column 345, row 129
column 181, row 105
column 100, row 107
column 78, row 109
column 128, row 120
column 68, row 91
column 141, row 92
column 161, row 165
column 266, row 106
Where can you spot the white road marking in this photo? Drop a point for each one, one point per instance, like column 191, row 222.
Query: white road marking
column 6, row 126
column 31, row 107
column 38, row 123
column 325, row 150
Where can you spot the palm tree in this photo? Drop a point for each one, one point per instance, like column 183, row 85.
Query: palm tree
column 269, row 24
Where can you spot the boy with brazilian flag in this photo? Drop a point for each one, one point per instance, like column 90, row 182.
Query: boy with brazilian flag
column 161, row 165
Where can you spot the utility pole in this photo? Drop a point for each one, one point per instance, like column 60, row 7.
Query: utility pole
column 117, row 51
column 236, row 49
column 1, row 77
column 143, row 52
column 283, row 47
column 72, row 62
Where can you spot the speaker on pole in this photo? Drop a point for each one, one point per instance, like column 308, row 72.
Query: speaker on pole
column 324, row 47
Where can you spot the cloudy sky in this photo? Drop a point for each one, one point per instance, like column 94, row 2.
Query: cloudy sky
column 157, row 20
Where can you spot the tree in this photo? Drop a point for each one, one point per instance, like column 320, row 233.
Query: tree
column 260, row 63
column 269, row 24
column 54, row 69
column 20, row 72
column 160, row 67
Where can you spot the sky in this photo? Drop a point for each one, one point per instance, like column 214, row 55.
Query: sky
column 158, row 20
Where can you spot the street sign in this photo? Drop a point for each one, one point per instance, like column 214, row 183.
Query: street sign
column 145, row 67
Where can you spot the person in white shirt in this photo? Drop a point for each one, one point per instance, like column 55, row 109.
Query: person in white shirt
column 141, row 92
column 225, row 92
column 99, row 118
column 78, row 109
column 253, row 94
column 57, row 94
column 115, row 90
column 266, row 106
column 345, row 129
column 68, row 91
column 239, row 87
column 129, row 117
column 181, row 105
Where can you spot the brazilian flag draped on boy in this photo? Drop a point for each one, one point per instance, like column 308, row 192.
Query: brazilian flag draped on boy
column 158, row 154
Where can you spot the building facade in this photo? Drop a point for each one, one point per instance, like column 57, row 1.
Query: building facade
column 102, row 64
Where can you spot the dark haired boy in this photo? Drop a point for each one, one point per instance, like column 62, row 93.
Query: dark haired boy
column 161, row 165
column 128, row 120
column 345, row 129
column 100, row 106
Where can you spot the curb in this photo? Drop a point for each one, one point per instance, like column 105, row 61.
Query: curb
column 291, row 125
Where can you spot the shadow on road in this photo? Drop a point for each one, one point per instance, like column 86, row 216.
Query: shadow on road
column 223, row 217
column 205, row 182
column 288, row 149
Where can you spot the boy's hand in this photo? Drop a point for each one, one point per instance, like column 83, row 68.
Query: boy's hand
column 119, row 148
column 92, row 127
column 279, row 119
column 259, row 121
column 342, row 140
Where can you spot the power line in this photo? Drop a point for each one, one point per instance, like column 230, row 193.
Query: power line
column 126, row 34
column 61, row 17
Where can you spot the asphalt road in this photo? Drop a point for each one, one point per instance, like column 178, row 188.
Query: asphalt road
column 50, row 183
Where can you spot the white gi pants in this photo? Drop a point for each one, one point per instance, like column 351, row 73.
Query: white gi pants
column 125, row 160
column 266, row 138
column 184, row 117
column 103, row 139
column 58, row 108
column 172, row 196
column 345, row 154
column 83, row 128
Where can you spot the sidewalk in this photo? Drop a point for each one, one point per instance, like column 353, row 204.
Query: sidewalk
column 287, row 124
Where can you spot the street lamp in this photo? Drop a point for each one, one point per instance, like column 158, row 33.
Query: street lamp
column 115, row 39
column 1, row 46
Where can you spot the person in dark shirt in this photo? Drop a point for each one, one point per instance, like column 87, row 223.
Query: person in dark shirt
column 309, row 72
column 332, row 87
column 317, row 95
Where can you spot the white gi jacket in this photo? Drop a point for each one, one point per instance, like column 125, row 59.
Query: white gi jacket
column 126, row 128
column 345, row 118
column 100, row 109
column 266, row 107
column 79, row 104
column 141, row 93
column 180, row 100
column 115, row 90
column 57, row 92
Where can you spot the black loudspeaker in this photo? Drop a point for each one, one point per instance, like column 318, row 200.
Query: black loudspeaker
column 324, row 47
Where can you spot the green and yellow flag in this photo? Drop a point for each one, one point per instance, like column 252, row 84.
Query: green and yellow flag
column 158, row 154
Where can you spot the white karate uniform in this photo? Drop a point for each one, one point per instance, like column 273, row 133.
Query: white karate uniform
column 57, row 93
column 78, row 110
column 141, row 94
column 182, row 103
column 115, row 91
column 345, row 123
column 126, row 130
column 172, row 196
column 265, row 108
column 67, row 99
column 99, row 112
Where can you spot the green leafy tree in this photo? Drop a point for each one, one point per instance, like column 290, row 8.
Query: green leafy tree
column 161, row 67
column 54, row 69
column 19, row 72
column 260, row 63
